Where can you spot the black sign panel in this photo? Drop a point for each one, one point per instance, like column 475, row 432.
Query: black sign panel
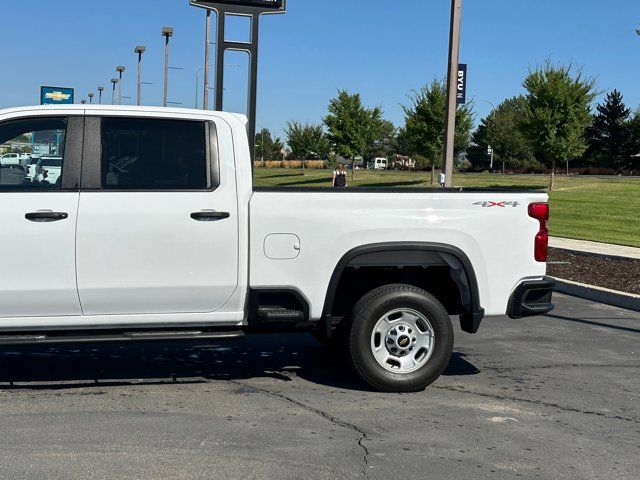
column 266, row 4
column 461, row 88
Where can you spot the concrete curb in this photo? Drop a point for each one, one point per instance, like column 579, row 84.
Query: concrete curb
column 598, row 294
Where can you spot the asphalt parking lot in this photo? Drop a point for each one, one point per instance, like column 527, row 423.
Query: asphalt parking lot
column 551, row 397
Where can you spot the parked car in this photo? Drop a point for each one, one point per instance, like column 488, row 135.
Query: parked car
column 180, row 244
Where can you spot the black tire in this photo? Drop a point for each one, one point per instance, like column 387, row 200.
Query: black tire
column 370, row 309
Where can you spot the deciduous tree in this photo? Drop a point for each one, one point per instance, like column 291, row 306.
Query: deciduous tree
column 267, row 147
column 352, row 128
column 425, row 122
column 558, row 113
column 505, row 133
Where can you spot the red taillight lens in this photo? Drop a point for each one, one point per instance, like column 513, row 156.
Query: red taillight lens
column 540, row 211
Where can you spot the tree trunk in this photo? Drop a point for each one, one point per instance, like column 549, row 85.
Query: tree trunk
column 567, row 167
column 353, row 169
column 433, row 174
column 304, row 172
column 552, row 179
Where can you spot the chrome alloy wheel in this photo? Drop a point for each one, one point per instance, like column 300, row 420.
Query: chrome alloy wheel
column 402, row 341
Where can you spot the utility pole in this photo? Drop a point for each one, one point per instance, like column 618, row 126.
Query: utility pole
column 452, row 79
column 140, row 49
column 120, row 69
column 167, row 33
column 207, row 54
column 114, row 82
column 100, row 90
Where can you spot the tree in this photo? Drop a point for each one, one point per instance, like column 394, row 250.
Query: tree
column 478, row 149
column 352, row 127
column 634, row 144
column 425, row 119
column 385, row 144
column 307, row 140
column 558, row 113
column 505, row 133
column 608, row 135
column 268, row 148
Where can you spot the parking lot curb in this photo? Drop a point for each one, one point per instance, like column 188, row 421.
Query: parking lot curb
column 598, row 294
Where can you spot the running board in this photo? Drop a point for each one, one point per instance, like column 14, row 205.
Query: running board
column 132, row 336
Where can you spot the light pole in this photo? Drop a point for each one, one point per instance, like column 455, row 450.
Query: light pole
column 207, row 49
column 120, row 69
column 167, row 33
column 114, row 82
column 206, row 102
column 90, row 95
column 452, row 79
column 140, row 49
column 100, row 90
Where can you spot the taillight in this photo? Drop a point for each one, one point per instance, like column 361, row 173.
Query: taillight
column 540, row 211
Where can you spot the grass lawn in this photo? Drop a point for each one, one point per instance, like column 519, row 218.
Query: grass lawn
column 599, row 209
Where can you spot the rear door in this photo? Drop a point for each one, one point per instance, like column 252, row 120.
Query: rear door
column 157, row 228
column 38, row 219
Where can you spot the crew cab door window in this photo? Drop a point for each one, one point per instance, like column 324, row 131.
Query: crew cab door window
column 148, row 241
column 38, row 216
column 31, row 153
column 149, row 154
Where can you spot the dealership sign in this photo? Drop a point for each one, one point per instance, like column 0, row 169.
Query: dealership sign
column 267, row 5
column 56, row 96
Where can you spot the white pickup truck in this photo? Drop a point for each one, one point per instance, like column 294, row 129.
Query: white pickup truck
column 155, row 231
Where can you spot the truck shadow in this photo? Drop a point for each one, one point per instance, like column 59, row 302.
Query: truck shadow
column 280, row 357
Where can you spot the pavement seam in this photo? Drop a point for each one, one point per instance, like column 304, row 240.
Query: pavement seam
column 538, row 402
column 320, row 413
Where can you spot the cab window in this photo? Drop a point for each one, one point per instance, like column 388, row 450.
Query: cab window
column 32, row 153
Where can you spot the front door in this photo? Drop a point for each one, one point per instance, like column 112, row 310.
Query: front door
column 159, row 233
column 38, row 217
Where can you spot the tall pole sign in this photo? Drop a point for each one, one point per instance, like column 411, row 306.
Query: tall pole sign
column 452, row 89
column 244, row 8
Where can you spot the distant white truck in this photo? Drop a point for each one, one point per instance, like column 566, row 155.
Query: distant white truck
column 176, row 242
column 379, row 164
column 21, row 159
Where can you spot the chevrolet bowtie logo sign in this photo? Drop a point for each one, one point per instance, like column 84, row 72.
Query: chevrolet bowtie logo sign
column 56, row 96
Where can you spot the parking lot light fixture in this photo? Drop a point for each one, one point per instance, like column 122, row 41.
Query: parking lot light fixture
column 167, row 33
column 139, row 50
column 100, row 90
column 114, row 82
column 90, row 95
column 120, row 69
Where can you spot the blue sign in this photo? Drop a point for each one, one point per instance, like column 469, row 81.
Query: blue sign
column 56, row 96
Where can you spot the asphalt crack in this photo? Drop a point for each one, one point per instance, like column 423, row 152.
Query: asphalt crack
column 539, row 402
column 320, row 413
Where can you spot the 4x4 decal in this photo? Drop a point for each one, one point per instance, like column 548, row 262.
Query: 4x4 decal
column 496, row 204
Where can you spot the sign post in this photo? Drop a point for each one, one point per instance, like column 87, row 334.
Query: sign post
column 454, row 55
column 252, row 9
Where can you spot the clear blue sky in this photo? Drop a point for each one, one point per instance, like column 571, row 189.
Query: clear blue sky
column 383, row 51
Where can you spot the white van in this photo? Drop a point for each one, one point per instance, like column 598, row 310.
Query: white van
column 379, row 164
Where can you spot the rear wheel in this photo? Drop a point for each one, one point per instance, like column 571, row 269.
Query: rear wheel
column 400, row 338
